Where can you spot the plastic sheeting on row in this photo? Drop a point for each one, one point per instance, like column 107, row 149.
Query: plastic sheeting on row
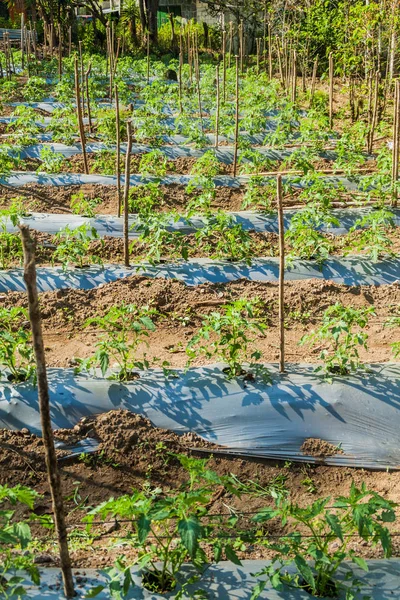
column 352, row 270
column 226, row 581
column 19, row 178
column 225, row 154
column 359, row 413
column 108, row 225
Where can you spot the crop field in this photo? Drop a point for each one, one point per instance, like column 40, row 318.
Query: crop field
column 200, row 314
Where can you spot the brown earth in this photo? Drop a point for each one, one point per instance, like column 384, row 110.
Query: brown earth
column 181, row 309
column 132, row 454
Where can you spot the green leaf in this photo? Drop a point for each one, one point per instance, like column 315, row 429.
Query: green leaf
column 305, row 571
column 231, row 555
column 143, row 525
column 360, row 562
column 190, row 531
column 257, row 590
column 334, row 524
column 93, row 592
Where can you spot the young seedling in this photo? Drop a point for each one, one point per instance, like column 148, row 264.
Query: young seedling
column 342, row 331
column 372, row 234
column 126, row 327
column 320, row 542
column 16, row 351
column 167, row 530
column 80, row 205
column 73, row 246
column 226, row 336
column 15, row 536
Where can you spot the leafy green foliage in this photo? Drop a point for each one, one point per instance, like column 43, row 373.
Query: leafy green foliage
column 223, row 237
column 329, row 528
column 342, row 331
column 16, row 350
column 51, row 161
column 81, row 205
column 226, row 336
column 304, row 237
column 125, row 328
column 167, row 530
column 372, row 235
column 15, row 537
column 73, row 246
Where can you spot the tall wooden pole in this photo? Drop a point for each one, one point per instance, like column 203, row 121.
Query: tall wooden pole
column 224, row 65
column 80, row 118
column 118, row 150
column 53, row 473
column 217, row 107
column 235, row 151
column 281, row 275
column 330, row 90
column 395, row 151
column 126, row 192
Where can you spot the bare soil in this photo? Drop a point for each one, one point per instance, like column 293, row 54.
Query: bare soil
column 182, row 308
column 132, row 454
column 319, row 448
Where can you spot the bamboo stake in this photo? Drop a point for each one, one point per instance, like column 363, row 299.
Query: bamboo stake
column 118, row 150
column 371, row 133
column 69, row 40
column 258, row 46
column 294, row 77
column 235, row 152
column 230, row 42
column 53, row 473
column 82, row 76
column 22, row 40
column 89, row 112
column 330, row 90
column 313, row 81
column 270, row 52
column 224, row 65
column 148, row 58
column 240, row 35
column 395, row 151
column 126, row 192
column 281, row 275
column 197, row 71
column 217, row 111
column 79, row 115
column 59, row 52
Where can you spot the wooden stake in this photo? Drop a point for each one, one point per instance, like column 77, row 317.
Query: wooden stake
column 395, row 151
column 230, row 42
column 82, row 75
column 281, row 275
column 235, row 152
column 126, row 192
column 270, row 52
column 89, row 112
column 330, row 90
column 313, row 81
column 69, row 40
column 217, row 108
column 148, row 58
column 22, row 40
column 59, row 52
column 118, row 150
column 294, row 76
column 79, row 115
column 224, row 65
column 44, row 407
column 374, row 119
